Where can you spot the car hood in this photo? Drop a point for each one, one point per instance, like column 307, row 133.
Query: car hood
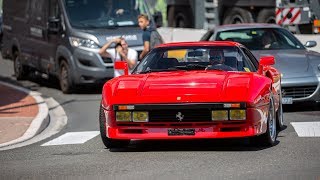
column 133, row 35
column 185, row 87
column 291, row 63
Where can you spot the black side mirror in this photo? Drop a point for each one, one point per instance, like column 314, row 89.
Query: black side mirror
column 310, row 44
column 54, row 25
column 157, row 16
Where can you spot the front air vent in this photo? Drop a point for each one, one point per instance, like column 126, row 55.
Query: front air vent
column 298, row 92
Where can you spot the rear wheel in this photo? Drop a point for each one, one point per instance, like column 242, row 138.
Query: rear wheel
column 237, row 16
column 20, row 71
column 266, row 16
column 109, row 143
column 270, row 136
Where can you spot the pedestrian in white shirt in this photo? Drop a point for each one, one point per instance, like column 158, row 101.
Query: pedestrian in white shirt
column 120, row 52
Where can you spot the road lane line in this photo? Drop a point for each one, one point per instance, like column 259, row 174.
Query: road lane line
column 307, row 129
column 72, row 138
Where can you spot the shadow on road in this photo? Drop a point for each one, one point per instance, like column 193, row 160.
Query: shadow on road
column 242, row 144
column 53, row 83
column 10, row 96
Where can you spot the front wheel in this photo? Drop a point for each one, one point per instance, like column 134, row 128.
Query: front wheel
column 109, row 143
column 270, row 136
column 66, row 84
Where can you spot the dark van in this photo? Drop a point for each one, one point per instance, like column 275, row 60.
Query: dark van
column 62, row 37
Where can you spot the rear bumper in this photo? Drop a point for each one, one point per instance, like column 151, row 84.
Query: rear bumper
column 201, row 132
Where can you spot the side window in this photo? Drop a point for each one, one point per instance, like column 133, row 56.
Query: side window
column 249, row 61
column 54, row 9
column 37, row 8
column 16, row 8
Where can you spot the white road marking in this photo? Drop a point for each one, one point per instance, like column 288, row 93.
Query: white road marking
column 72, row 138
column 307, row 129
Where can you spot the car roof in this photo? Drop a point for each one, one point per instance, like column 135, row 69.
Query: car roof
column 245, row 26
column 200, row 43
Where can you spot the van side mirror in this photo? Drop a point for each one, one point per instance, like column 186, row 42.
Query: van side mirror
column 157, row 16
column 310, row 44
column 121, row 65
column 54, row 25
column 265, row 61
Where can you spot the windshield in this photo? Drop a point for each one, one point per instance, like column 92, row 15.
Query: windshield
column 221, row 58
column 262, row 39
column 104, row 13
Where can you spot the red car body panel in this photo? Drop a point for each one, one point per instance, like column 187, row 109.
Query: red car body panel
column 192, row 87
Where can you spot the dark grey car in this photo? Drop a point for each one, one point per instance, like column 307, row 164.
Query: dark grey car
column 299, row 66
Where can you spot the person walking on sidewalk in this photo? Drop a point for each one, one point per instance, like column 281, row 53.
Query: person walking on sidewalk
column 120, row 52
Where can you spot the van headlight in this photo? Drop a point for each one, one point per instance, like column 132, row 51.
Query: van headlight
column 80, row 42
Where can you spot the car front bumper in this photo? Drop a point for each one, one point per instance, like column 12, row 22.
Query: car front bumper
column 255, row 124
column 201, row 132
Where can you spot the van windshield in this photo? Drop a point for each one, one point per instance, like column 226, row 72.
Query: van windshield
column 104, row 13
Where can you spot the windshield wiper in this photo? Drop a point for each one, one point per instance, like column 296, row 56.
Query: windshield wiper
column 192, row 67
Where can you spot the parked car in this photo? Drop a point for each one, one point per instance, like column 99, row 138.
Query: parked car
column 299, row 67
column 62, row 37
column 223, row 92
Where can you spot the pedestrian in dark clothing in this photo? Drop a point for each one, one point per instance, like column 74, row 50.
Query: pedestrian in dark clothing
column 144, row 24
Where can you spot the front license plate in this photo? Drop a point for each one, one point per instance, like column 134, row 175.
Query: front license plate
column 181, row 132
column 287, row 100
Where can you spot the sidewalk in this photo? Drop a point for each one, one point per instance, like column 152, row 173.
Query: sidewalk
column 18, row 111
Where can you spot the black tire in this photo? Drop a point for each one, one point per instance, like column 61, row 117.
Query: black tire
column 279, row 115
column 266, row 15
column 180, row 16
column 270, row 136
column 65, row 78
column 305, row 28
column 109, row 143
column 237, row 15
column 21, row 72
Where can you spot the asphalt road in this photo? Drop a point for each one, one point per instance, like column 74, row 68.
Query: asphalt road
column 292, row 158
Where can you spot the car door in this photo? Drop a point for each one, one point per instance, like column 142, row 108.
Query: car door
column 37, row 30
column 53, row 34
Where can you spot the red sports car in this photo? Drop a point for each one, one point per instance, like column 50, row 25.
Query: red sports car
column 193, row 90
